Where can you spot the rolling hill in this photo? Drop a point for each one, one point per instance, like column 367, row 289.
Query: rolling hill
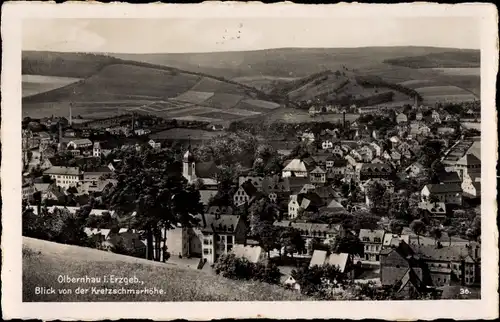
column 281, row 62
column 266, row 69
column 448, row 59
column 226, row 86
column 44, row 261
column 106, row 85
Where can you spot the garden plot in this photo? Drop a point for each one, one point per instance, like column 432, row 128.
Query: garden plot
column 194, row 97
column 207, row 85
column 223, row 100
column 263, row 104
column 191, row 111
column 243, row 105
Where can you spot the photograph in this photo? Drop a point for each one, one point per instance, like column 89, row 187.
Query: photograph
column 253, row 158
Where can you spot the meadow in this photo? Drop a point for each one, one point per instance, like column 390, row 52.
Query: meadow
column 44, row 261
column 35, row 84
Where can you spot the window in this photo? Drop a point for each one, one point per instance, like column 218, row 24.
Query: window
column 229, row 240
column 205, row 251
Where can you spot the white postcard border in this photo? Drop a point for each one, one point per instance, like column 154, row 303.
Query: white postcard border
column 12, row 305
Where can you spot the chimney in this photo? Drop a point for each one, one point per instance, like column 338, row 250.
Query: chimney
column 60, row 132
column 343, row 119
column 70, row 114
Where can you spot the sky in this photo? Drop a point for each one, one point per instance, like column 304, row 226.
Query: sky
column 212, row 35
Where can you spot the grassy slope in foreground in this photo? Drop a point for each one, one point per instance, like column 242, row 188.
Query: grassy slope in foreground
column 44, row 261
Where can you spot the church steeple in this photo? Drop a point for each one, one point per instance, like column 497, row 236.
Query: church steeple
column 189, row 165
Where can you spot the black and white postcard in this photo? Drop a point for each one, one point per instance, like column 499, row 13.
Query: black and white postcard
column 244, row 160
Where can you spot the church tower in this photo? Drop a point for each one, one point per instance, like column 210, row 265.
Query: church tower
column 188, row 166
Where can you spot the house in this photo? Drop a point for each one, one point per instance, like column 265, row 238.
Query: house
column 471, row 185
column 469, row 163
column 327, row 144
column 336, row 166
column 64, row 176
column 154, row 144
column 141, row 132
column 318, row 175
column 449, row 177
column 113, row 165
column 79, row 144
column 356, row 155
column 334, row 207
column 307, row 137
column 128, row 239
column 254, row 254
column 377, row 148
column 28, row 190
column 257, row 182
column 393, row 240
column 246, row 193
column 372, row 241
column 415, row 170
column 304, row 201
column 219, row 234
column 69, row 133
column 436, row 117
column 96, row 174
column 436, row 209
column 310, row 231
column 395, row 156
column 450, row 264
column 314, row 110
column 424, row 130
column 401, row 118
column 342, row 261
column 296, row 168
column 367, row 153
column 96, row 150
column 449, row 193
column 338, row 151
column 375, row 170
column 395, row 262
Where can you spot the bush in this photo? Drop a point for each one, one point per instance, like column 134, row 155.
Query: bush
column 232, row 267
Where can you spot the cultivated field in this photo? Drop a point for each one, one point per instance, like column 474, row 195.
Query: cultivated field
column 445, row 74
column 467, row 71
column 35, row 84
column 300, row 116
column 44, row 261
column 125, row 86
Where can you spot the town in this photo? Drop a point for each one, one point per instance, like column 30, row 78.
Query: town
column 383, row 207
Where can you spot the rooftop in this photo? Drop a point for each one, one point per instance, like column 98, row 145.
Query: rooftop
column 443, row 188
column 56, row 170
